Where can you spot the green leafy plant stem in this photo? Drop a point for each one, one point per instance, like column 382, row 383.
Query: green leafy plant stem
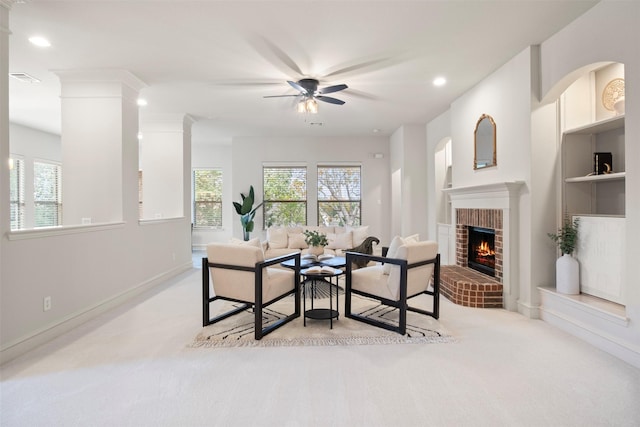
column 567, row 236
column 247, row 212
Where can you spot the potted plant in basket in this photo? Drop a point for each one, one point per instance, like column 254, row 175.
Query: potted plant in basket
column 247, row 212
column 567, row 267
column 316, row 241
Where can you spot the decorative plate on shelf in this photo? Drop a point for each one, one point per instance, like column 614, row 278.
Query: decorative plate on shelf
column 613, row 91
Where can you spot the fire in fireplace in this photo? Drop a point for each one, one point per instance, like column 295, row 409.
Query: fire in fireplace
column 481, row 250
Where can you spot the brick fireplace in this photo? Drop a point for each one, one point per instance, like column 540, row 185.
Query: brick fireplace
column 485, row 218
column 493, row 207
column 463, row 285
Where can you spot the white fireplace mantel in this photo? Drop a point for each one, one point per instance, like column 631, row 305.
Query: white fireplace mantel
column 485, row 196
column 505, row 196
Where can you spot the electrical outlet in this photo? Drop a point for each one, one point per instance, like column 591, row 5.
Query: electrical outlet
column 173, row 255
column 46, row 304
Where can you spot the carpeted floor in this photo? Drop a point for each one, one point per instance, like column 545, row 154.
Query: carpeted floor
column 133, row 367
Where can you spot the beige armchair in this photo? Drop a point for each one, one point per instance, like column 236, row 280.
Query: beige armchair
column 393, row 281
column 240, row 273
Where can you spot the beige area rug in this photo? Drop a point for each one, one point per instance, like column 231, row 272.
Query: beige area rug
column 237, row 331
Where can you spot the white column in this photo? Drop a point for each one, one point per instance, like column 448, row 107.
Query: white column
column 409, row 181
column 99, row 144
column 165, row 159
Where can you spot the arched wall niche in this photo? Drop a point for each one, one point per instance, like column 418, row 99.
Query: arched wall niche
column 563, row 84
column 442, row 162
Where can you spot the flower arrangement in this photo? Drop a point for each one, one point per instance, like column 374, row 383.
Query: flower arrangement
column 567, row 236
column 315, row 238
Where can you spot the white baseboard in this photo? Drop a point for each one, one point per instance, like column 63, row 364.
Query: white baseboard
column 528, row 310
column 24, row 344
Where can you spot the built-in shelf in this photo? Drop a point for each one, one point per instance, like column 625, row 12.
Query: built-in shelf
column 595, row 178
column 598, row 127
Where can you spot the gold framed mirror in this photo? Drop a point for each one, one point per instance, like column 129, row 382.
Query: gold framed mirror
column 484, row 143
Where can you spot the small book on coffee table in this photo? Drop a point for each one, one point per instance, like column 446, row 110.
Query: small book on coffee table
column 324, row 269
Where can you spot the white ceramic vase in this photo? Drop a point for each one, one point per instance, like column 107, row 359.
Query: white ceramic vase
column 618, row 106
column 567, row 275
column 316, row 250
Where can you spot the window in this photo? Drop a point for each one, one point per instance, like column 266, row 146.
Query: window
column 339, row 201
column 207, row 198
column 140, row 210
column 47, row 194
column 285, row 195
column 16, row 197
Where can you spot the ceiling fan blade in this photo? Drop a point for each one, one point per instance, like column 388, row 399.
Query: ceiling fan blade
column 297, row 87
column 276, row 56
column 331, row 89
column 278, row 96
column 329, row 99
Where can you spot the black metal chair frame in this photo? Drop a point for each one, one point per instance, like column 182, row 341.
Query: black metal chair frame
column 402, row 304
column 258, row 305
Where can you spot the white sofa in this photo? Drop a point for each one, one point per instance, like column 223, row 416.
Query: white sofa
column 285, row 240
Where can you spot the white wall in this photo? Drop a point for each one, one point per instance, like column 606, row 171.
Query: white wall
column 249, row 155
column 505, row 95
column 161, row 166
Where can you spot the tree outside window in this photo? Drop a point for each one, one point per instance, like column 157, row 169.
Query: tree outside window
column 285, row 196
column 47, row 194
column 339, row 199
column 207, row 198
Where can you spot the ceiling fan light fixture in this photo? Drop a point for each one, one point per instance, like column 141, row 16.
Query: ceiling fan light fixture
column 312, row 106
column 307, row 105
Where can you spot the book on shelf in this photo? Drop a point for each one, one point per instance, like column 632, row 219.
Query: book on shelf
column 324, row 269
column 602, row 163
column 312, row 257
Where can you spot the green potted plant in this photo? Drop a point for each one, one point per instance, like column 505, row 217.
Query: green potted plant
column 247, row 212
column 567, row 267
column 316, row 241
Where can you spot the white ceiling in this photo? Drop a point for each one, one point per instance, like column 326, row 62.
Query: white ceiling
column 215, row 60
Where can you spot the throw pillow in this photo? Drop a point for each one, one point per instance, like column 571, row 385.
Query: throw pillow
column 253, row 242
column 296, row 241
column 412, row 239
column 391, row 253
column 277, row 237
column 340, row 241
column 359, row 234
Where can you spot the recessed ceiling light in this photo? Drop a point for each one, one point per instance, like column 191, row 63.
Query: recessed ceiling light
column 39, row 41
column 142, row 102
column 439, row 81
column 376, row 130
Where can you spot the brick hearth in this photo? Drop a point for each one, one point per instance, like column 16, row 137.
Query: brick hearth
column 470, row 288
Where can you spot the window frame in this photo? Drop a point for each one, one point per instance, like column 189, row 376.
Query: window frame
column 18, row 165
column 195, row 202
column 320, row 200
column 267, row 202
column 57, row 203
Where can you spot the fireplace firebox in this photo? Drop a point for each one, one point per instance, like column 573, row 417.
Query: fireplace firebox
column 481, row 250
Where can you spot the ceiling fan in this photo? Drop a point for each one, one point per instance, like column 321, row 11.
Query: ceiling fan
column 309, row 92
